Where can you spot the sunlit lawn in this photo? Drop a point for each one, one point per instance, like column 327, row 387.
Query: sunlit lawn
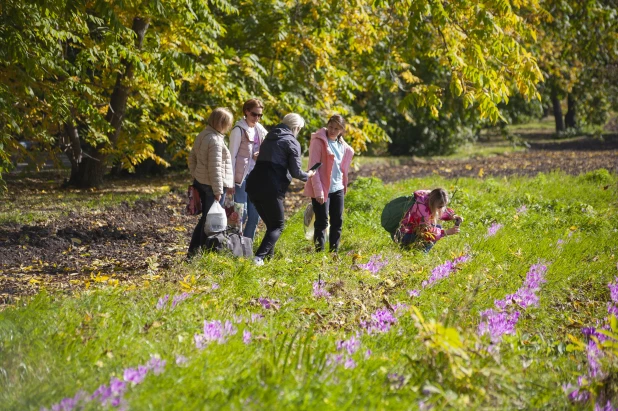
column 369, row 336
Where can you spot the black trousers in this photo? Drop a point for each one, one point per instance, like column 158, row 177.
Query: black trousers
column 333, row 208
column 271, row 212
column 198, row 239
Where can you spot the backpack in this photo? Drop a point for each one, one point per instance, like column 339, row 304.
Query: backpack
column 231, row 240
column 394, row 211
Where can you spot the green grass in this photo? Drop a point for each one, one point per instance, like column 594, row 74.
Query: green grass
column 54, row 345
column 545, row 125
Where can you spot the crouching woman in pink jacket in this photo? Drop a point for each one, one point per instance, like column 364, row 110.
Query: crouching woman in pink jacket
column 420, row 225
column 329, row 185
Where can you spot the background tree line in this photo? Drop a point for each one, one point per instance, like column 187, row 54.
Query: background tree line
column 129, row 83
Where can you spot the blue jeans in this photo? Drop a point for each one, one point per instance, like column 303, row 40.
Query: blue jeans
column 250, row 217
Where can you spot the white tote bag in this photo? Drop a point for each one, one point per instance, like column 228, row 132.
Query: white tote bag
column 216, row 221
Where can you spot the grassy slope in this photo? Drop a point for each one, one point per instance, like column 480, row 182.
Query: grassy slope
column 55, row 345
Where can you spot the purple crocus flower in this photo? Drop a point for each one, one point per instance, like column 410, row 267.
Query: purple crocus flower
column 135, row 375
column 589, row 331
column 334, row 359
column 162, row 302
column 102, row 393
column 214, row 331
column 613, row 290
column 70, row 403
column 461, row 259
column 502, row 304
column 381, row 322
column 350, row 345
column 535, row 276
column 349, row 363
column 319, row 291
column 438, row 273
column 117, row 387
column 256, row 317
column 496, row 324
column 215, row 286
column 444, row 270
column 181, row 359
column 593, row 354
column 524, row 297
column 400, row 309
column 607, row 407
column 375, row 264
column 156, row 365
column 367, row 354
column 246, row 337
column 268, row 304
column 493, row 229
column 579, row 396
column 522, row 209
column 180, row 298
column 414, row 293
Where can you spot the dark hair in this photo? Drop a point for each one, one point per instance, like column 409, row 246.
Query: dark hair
column 340, row 121
column 251, row 104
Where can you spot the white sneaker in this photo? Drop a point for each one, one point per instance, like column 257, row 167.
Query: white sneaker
column 258, row 261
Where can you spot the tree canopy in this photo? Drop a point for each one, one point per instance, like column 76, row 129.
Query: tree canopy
column 117, row 83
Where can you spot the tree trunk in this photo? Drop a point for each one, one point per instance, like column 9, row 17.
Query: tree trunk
column 557, row 112
column 72, row 147
column 570, row 119
column 92, row 168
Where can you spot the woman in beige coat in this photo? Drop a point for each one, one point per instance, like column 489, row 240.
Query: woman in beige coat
column 210, row 165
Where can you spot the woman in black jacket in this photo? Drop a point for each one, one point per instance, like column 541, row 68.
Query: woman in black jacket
column 277, row 163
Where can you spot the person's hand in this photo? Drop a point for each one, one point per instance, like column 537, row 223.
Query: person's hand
column 452, row 230
column 230, row 190
column 218, row 197
column 320, row 199
column 310, row 173
column 255, row 155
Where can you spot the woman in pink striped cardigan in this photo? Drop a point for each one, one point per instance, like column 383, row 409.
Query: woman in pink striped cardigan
column 329, row 185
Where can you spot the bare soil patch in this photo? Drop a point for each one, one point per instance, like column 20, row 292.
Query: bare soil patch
column 126, row 245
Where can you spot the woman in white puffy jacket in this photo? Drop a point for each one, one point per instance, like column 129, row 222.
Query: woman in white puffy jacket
column 210, row 165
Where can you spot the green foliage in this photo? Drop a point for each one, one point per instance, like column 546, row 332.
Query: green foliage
column 600, row 176
column 54, row 345
column 61, row 62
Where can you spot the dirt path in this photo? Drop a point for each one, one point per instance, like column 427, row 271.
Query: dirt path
column 127, row 245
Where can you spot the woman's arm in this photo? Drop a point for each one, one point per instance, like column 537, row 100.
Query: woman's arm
column 294, row 163
column 315, row 156
column 215, row 165
column 235, row 138
column 192, row 161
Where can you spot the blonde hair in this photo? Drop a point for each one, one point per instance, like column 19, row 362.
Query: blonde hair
column 221, row 119
column 438, row 198
column 294, row 122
